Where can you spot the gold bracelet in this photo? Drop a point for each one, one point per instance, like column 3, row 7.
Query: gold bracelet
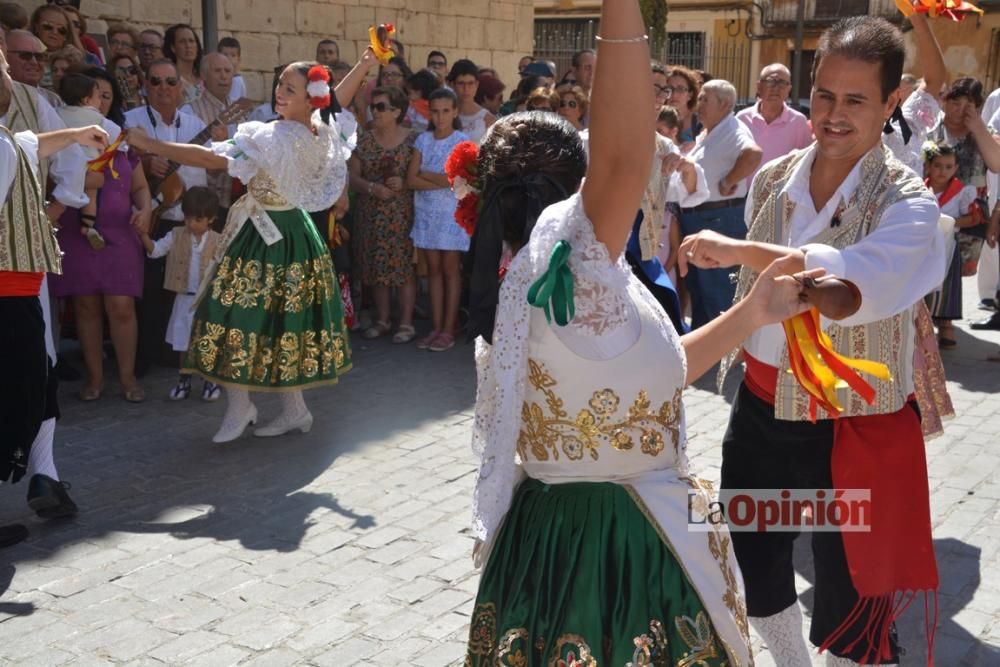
column 630, row 40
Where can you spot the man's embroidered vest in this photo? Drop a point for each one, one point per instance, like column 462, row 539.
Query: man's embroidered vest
column 883, row 182
column 179, row 258
column 23, row 116
column 27, row 239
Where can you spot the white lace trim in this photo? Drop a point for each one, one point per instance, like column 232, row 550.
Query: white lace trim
column 310, row 171
column 602, row 292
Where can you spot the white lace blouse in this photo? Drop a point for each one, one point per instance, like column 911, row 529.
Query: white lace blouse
column 309, row 170
column 606, row 323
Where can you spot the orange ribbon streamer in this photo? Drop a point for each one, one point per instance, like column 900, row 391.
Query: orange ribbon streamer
column 821, row 371
column 956, row 10
column 383, row 49
column 106, row 159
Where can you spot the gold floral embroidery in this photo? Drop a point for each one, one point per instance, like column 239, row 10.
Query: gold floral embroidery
column 579, row 654
column 483, row 631
column 698, row 635
column 250, row 358
column 288, row 288
column 653, row 649
column 509, row 654
column 718, row 545
column 557, row 431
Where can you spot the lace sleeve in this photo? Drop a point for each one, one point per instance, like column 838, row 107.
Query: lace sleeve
column 237, row 163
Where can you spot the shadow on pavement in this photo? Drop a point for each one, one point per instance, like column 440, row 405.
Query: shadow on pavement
column 152, row 468
column 954, row 645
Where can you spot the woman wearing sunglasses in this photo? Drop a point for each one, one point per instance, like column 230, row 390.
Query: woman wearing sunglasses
column 52, row 25
column 125, row 68
column 269, row 314
column 573, row 103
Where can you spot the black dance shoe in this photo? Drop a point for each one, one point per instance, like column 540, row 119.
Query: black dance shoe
column 991, row 323
column 48, row 498
column 12, row 534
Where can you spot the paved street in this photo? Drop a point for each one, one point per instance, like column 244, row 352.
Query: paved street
column 350, row 545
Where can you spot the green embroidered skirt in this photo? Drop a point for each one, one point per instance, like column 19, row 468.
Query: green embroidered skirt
column 579, row 576
column 272, row 318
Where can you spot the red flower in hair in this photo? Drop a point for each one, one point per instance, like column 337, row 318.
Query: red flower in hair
column 462, row 162
column 467, row 212
column 318, row 88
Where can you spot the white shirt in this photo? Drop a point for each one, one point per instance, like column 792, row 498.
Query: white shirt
column 921, row 112
column 895, row 266
column 67, row 168
column 717, row 152
column 162, row 246
column 183, row 128
column 239, row 88
column 8, row 158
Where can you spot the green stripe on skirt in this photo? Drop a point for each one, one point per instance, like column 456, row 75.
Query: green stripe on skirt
column 272, row 318
column 579, row 576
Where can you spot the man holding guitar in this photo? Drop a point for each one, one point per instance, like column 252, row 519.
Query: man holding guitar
column 162, row 119
column 211, row 107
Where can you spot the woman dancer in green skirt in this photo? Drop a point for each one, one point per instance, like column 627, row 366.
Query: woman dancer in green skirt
column 583, row 500
column 270, row 317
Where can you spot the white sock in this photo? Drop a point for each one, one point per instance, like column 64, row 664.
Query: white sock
column 40, row 458
column 783, row 634
column 293, row 404
column 237, row 404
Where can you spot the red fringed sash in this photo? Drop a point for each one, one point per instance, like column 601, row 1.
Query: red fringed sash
column 895, row 561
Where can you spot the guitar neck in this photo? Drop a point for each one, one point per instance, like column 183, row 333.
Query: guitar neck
column 234, row 112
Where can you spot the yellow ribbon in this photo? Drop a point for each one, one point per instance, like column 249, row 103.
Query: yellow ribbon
column 107, row 158
column 821, row 371
column 383, row 52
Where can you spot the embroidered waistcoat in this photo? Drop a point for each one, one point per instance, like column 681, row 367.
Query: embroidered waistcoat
column 883, row 182
column 23, row 116
column 27, row 239
column 179, row 259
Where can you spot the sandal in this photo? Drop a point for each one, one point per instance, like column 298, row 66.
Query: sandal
column 426, row 341
column 404, row 334
column 210, row 392
column 444, row 342
column 134, row 394
column 946, row 343
column 378, row 330
column 90, row 393
column 182, row 389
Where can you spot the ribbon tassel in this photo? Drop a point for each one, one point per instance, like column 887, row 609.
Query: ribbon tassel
column 107, row 158
column 821, row 371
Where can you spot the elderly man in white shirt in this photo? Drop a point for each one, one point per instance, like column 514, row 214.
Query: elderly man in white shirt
column 162, row 119
column 728, row 154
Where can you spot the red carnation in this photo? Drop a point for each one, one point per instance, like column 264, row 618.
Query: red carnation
column 462, row 161
column 318, row 73
column 467, row 212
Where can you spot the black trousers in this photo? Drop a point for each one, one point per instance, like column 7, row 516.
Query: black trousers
column 24, row 391
column 760, row 452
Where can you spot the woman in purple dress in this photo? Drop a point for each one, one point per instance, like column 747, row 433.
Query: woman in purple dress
column 107, row 281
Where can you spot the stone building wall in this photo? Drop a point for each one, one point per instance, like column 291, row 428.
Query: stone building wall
column 492, row 33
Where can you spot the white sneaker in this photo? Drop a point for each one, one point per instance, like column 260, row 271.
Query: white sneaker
column 231, row 430
column 283, row 424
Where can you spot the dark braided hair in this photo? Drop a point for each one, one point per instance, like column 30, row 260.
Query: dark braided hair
column 527, row 162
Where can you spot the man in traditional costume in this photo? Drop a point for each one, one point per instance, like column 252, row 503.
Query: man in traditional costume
column 28, row 250
column 846, row 205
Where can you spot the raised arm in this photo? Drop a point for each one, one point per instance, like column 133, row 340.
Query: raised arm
column 189, row 154
column 621, row 125
column 929, row 55
column 351, row 84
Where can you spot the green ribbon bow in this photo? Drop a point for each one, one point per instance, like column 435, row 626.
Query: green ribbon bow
column 555, row 286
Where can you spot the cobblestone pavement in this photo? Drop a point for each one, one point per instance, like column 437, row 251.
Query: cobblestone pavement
column 350, row 545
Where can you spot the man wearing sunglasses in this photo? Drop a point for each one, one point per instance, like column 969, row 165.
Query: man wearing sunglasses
column 162, row 118
column 776, row 128
column 30, row 110
column 150, row 48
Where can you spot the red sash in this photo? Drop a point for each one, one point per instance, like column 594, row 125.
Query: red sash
column 895, row 561
column 954, row 187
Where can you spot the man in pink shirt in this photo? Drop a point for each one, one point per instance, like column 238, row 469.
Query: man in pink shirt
column 777, row 128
